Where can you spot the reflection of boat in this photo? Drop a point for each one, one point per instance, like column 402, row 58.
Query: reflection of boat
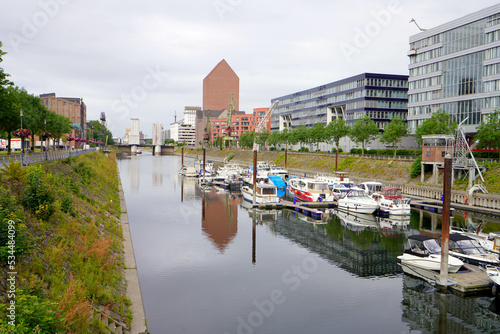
column 264, row 193
column 469, row 250
column 308, row 190
column 357, row 201
column 393, row 226
column 357, row 221
column 391, row 202
column 425, row 253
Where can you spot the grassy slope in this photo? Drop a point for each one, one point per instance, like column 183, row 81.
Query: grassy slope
column 74, row 262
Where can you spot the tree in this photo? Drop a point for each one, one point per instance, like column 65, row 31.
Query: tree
column 100, row 133
column 317, row 134
column 34, row 113
column 335, row 131
column 9, row 113
column 439, row 123
column 58, row 125
column 363, row 132
column 394, row 133
column 4, row 82
column 300, row 135
column 246, row 139
column 488, row 133
column 261, row 137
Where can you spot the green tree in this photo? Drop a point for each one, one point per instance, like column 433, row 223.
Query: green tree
column 488, row 133
column 335, row 131
column 9, row 113
column 275, row 138
column 261, row 137
column 317, row 134
column 438, row 123
column 363, row 132
column 246, row 139
column 394, row 133
column 99, row 133
column 34, row 113
column 300, row 135
column 4, row 82
column 58, row 125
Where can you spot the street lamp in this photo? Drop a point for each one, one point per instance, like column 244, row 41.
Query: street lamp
column 45, row 138
column 22, row 144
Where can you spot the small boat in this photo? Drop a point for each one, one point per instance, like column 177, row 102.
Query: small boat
column 209, row 168
column 357, row 201
column 425, row 252
column 494, row 275
column 391, row 202
column 264, row 193
column 188, row 172
column 341, row 178
column 339, row 190
column 490, row 241
column 469, row 250
column 310, row 190
column 229, row 182
column 278, row 171
column 371, row 187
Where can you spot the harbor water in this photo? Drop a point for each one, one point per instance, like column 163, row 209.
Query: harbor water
column 208, row 263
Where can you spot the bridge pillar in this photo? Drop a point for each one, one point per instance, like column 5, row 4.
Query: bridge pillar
column 157, row 150
column 133, row 149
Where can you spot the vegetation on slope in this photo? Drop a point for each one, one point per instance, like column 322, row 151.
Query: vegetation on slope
column 69, row 252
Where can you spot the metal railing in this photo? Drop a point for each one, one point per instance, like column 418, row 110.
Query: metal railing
column 33, row 158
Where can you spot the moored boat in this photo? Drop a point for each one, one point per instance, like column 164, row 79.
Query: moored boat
column 264, row 193
column 425, row 252
column 309, row 190
column 391, row 202
column 371, row 187
column 357, row 201
column 469, row 250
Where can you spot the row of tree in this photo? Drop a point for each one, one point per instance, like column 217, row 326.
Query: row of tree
column 364, row 131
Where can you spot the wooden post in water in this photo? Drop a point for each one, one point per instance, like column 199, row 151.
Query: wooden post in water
column 204, row 166
column 445, row 226
column 182, row 157
column 254, row 174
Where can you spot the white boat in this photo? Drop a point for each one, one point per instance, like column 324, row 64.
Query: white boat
column 490, row 241
column 209, row 168
column 469, row 250
column 188, row 172
column 371, row 187
column 391, row 202
column 425, row 252
column 339, row 190
column 310, row 190
column 494, row 275
column 340, row 178
column 264, row 193
column 277, row 170
column 357, row 201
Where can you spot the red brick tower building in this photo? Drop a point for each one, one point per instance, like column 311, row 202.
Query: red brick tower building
column 218, row 86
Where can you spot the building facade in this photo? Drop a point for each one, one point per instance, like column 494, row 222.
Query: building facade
column 455, row 67
column 219, row 85
column 190, row 115
column 73, row 108
column 380, row 96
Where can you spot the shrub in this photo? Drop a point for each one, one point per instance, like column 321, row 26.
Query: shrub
column 415, row 167
column 9, row 212
column 355, row 151
column 37, row 195
column 13, row 171
column 303, row 149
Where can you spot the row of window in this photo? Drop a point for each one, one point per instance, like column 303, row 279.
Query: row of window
column 421, row 70
column 424, row 83
column 492, row 86
column 431, row 54
column 347, row 86
column 426, row 42
column 491, row 69
column 423, row 110
column 426, row 96
column 493, row 20
column 458, row 110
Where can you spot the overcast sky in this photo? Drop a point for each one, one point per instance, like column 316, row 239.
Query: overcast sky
column 148, row 58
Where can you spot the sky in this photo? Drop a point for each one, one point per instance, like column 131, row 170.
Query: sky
column 147, row 59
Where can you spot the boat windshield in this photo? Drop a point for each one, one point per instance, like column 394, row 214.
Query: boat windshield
column 318, row 186
column 268, row 191
column 356, row 193
column 467, row 247
column 433, row 246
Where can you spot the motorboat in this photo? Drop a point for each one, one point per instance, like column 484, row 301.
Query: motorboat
column 278, row 171
column 494, row 274
column 338, row 190
column 424, row 252
column 357, row 201
column 391, row 202
column 340, row 178
column 188, row 172
column 265, row 193
column 209, row 168
column 490, row 241
column 371, row 187
column 470, row 250
column 309, row 190
column 230, row 181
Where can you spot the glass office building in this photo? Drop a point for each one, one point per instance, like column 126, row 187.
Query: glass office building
column 380, row 96
column 455, row 67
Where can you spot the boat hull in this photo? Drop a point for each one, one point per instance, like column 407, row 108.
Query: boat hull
column 432, row 262
column 259, row 199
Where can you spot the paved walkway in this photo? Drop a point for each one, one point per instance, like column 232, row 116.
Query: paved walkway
column 131, row 275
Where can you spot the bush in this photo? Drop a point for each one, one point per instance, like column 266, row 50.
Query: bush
column 303, row 149
column 416, row 167
column 37, row 195
column 355, row 151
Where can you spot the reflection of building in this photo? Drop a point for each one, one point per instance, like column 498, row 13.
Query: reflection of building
column 73, row 108
column 349, row 250
column 220, row 218
column 455, row 67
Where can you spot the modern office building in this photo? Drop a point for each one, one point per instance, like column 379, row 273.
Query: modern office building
column 219, row 85
column 381, row 96
column 455, row 67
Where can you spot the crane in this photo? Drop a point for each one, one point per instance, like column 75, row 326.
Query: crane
column 263, row 121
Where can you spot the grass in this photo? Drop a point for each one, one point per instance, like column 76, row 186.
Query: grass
column 76, row 261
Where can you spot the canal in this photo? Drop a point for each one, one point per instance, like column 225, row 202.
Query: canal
column 209, row 264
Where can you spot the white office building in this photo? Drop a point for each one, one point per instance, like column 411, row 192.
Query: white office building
column 456, row 67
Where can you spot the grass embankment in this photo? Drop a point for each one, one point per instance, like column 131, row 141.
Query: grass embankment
column 367, row 168
column 69, row 251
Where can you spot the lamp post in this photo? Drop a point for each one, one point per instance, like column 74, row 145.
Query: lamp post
column 45, row 139
column 22, row 141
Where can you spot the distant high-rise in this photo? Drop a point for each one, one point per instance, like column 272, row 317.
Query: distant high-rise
column 218, row 86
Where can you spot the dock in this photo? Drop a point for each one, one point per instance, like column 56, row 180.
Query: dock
column 475, row 280
column 430, row 206
column 310, row 209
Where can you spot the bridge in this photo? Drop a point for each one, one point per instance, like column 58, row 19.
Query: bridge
column 134, row 140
